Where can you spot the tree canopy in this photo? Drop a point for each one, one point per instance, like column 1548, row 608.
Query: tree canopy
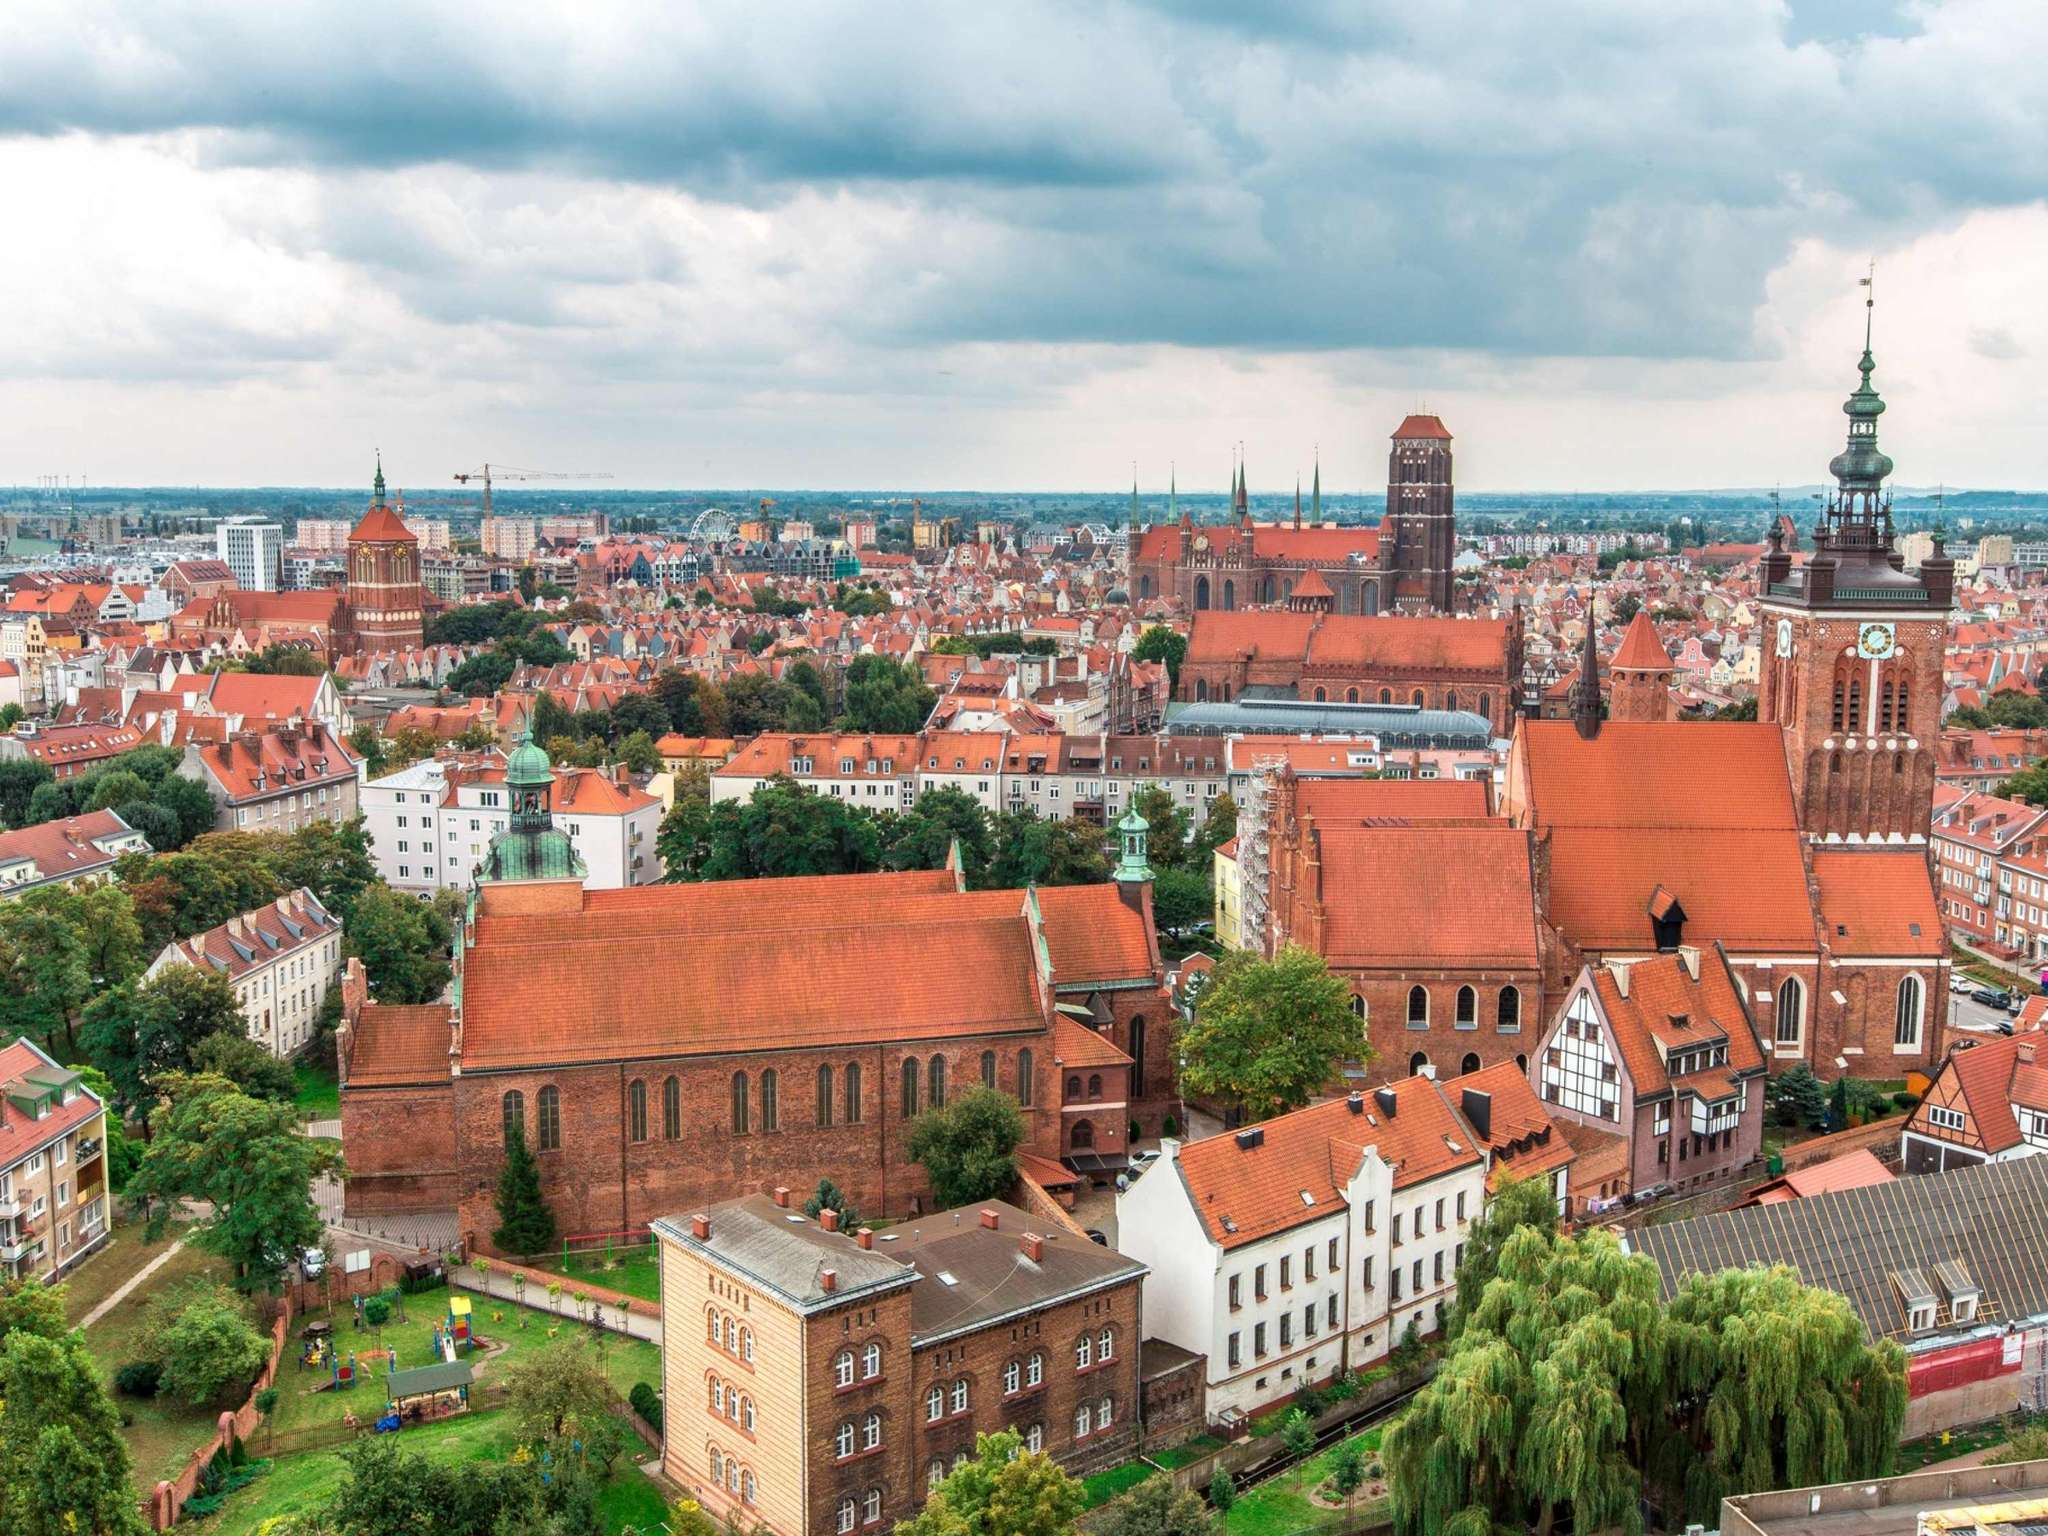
column 1160, row 643
column 403, row 943
column 64, row 1466
column 1268, row 1035
column 969, row 1146
column 1004, row 1491
column 885, row 696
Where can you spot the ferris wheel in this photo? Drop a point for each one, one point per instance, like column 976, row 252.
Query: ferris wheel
column 714, row 525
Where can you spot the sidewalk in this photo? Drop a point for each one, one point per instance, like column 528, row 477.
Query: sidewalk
column 129, row 1285
column 499, row 1288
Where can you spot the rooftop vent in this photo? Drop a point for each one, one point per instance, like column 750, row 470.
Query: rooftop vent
column 1478, row 1107
column 1386, row 1099
column 1255, row 1137
column 1355, row 1103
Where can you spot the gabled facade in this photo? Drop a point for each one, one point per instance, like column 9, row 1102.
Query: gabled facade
column 280, row 959
column 53, row 1168
column 1988, row 1104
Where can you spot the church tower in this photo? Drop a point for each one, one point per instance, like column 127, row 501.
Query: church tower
column 1640, row 675
column 1852, row 652
column 386, row 602
column 1418, row 536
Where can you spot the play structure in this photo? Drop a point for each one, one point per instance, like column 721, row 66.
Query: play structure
column 452, row 1335
column 344, row 1370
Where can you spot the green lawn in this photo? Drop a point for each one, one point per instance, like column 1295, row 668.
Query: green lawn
column 635, row 1271
column 120, row 1260
column 1188, row 1452
column 319, row 1095
column 1283, row 1505
column 1106, row 1485
column 631, row 1503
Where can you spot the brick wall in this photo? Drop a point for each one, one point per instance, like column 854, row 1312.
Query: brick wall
column 400, row 1146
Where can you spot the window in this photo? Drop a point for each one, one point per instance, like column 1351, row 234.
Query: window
column 909, row 1087
column 1286, row 1270
column 847, row 1512
column 871, row 1362
column 1791, row 1011
column 871, row 1432
column 1286, row 1329
column 938, row 1082
column 935, row 1403
column 853, row 1109
column 1461, row 1205
column 1103, row 1414
column 824, row 1095
column 1084, row 1349
column 1081, row 1135
column 842, row 1440
column 671, row 1109
column 871, row 1506
column 740, row 1104
column 1258, row 1338
column 1365, row 1273
column 842, row 1370
column 960, row 1395
column 1137, row 1078
column 515, row 1113
column 1946, row 1119
column 1906, row 1029
column 747, row 1345
column 1094, row 1087
column 1084, row 1420
column 1034, row 1439
column 934, row 1474
column 1013, row 1378
column 1034, row 1370
column 1330, row 1259
column 1024, row 1077
column 1468, row 1008
column 1507, row 1011
column 636, row 1110
column 550, row 1103
column 1259, row 1282
column 988, row 1069
column 771, row 1100
column 1418, row 1008
column 1236, row 1353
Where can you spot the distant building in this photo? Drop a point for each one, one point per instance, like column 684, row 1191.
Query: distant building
column 385, row 600
column 253, row 548
column 66, row 851
column 276, row 780
column 53, row 1168
column 280, row 959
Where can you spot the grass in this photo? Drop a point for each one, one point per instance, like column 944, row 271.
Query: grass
column 1101, row 1487
column 119, row 1261
column 631, row 1501
column 635, row 1271
column 1188, row 1452
column 319, row 1092
column 1915, row 1454
column 161, row 1432
column 1283, row 1505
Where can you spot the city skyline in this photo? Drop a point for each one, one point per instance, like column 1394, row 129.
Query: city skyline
column 1018, row 251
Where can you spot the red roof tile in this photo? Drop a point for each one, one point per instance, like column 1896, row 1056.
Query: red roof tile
column 1640, row 649
column 1647, row 1022
column 1878, row 901
column 381, row 525
column 1421, row 426
column 1521, row 1136
column 1460, row 897
column 396, row 1045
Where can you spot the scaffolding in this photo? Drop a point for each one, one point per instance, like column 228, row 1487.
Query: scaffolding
column 1254, row 854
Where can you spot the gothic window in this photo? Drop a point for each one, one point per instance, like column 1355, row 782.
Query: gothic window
column 771, row 1101
column 853, row 1109
column 1386, row 695
column 1320, row 696
column 1094, row 1087
column 550, row 1103
column 636, row 1110
column 1287, row 588
column 1266, row 590
column 1201, row 690
column 1451, row 699
column 1024, row 1076
column 1083, row 1135
column 1229, row 594
column 1144, row 586
column 909, row 1087
column 988, row 1069
column 1417, row 1062
column 1855, row 703
column 1839, row 713
column 671, row 1110
column 1350, row 695
column 1470, row 1064
column 938, row 1082
column 1074, row 1087
column 1906, row 1029
column 824, row 1095
column 1138, row 1057
column 1468, row 1008
column 1201, row 592
column 1418, row 1008
column 1416, row 698
column 739, row 1104
column 515, row 1113
column 1484, row 705
column 1507, row 1011
column 1358, row 1007
column 1791, row 1011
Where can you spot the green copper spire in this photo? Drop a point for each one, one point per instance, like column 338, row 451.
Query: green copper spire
column 1133, row 831
column 377, row 485
column 531, row 847
column 1860, row 469
column 1315, row 500
column 1134, row 497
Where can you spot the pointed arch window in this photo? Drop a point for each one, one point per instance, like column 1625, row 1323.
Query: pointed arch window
column 853, row 1106
column 636, row 1110
column 988, row 1069
column 771, row 1101
column 1468, row 1008
column 1024, row 1070
column 825, row 1105
column 1418, row 1007
column 1138, row 1056
column 1906, row 1027
column 741, row 1115
column 671, row 1109
column 1791, row 1026
column 938, row 1082
column 549, row 1102
column 514, row 1106
column 910, row 1065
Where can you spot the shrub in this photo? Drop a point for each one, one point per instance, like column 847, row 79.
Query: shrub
column 1169, row 1126
column 139, row 1378
column 1136, row 1130
column 646, row 1402
column 1297, row 1433
column 1908, row 1102
column 1312, row 1400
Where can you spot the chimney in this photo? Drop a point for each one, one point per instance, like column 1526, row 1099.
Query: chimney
column 1355, row 1103
column 2023, row 1053
column 1034, row 1247
column 700, row 1228
column 1386, row 1099
column 990, row 1219
column 1247, row 1140
column 828, row 1279
column 782, row 1196
column 829, row 1220
column 1620, row 975
column 1478, row 1107
column 1689, row 957
column 865, row 1237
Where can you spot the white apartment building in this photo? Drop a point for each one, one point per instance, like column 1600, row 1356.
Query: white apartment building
column 1306, row 1245
column 280, row 958
column 322, row 535
column 53, row 1168
column 430, row 825
column 509, row 538
column 253, row 548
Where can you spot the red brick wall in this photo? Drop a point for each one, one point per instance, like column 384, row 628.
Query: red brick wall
column 399, row 1144
column 1446, row 1046
column 886, row 1321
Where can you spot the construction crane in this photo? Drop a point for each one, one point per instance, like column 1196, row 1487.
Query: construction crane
column 491, row 472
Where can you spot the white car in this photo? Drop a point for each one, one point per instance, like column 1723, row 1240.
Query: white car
column 1961, row 984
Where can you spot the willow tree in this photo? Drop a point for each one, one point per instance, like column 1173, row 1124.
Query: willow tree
column 1768, row 1384
column 1513, row 1203
column 1528, row 1416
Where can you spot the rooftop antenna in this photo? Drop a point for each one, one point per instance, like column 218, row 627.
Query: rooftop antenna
column 1868, row 282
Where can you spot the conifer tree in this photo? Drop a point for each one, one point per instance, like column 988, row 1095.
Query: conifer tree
column 525, row 1224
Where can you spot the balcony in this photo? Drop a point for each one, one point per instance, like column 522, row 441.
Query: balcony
column 89, row 1147
column 20, row 1246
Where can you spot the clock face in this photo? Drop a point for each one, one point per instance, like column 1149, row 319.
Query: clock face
column 1874, row 641
column 1784, row 637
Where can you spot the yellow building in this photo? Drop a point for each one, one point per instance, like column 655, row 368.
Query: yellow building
column 1229, row 897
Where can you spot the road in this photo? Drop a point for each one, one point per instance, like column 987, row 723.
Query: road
column 1974, row 1018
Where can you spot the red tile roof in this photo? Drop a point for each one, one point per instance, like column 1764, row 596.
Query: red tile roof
column 1241, row 1194
column 1338, row 802
column 1347, row 640
column 1521, row 1136
column 67, row 848
column 1852, row 1170
column 1878, row 901
column 272, row 932
column 381, row 525
column 251, row 765
column 1647, row 1021
column 396, row 1045
column 1640, row 649
column 1428, row 897
column 19, row 1135
column 1421, row 426
column 1076, row 1045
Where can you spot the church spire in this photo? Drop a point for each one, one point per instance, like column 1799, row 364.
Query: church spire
column 1240, row 502
column 1133, row 523
column 1297, row 502
column 1315, row 505
column 1586, row 700
column 377, row 485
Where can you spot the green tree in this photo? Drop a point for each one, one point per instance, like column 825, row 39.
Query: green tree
column 1298, row 1432
column 265, row 1404
column 105, row 915
column 369, row 746
column 20, row 778
column 1167, row 845
column 139, row 1035
column 64, row 1467
column 45, row 975
column 1031, row 851
column 1797, row 1098
column 969, row 1147
column 246, row 1158
column 637, row 753
column 1218, row 827
column 111, row 788
column 1180, row 899
column 246, row 1064
column 555, row 1393
column 189, row 801
column 923, row 838
column 287, row 661
column 389, row 1488
column 1004, row 1491
column 1160, row 643
column 829, row 1196
column 1222, row 1494
column 329, row 858
column 11, row 715
column 482, row 674
column 1347, row 1469
column 781, row 829
column 377, row 1312
column 202, row 1337
column 403, row 946
column 1158, row 1507
column 1268, row 1035
column 525, row 1224
column 165, row 832
column 1513, row 1204
column 885, row 696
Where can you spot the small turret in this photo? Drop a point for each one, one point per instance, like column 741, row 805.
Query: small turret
column 1586, row 697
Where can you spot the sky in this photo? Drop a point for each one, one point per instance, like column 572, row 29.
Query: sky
column 1032, row 245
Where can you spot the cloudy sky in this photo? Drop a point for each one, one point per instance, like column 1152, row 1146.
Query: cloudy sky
column 1614, row 243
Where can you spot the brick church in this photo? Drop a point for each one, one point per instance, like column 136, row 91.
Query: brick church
column 665, row 1046
column 1402, row 566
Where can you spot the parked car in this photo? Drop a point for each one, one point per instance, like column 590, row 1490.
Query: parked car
column 1959, row 983
column 2005, row 1026
column 1991, row 997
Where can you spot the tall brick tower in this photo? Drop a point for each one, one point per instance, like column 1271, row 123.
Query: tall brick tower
column 1419, row 535
column 1852, row 652
column 1639, row 676
column 386, row 603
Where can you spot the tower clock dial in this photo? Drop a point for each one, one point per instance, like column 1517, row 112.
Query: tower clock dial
column 1784, row 637
column 1875, row 641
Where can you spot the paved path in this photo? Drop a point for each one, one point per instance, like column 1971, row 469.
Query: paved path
column 133, row 1281
column 499, row 1288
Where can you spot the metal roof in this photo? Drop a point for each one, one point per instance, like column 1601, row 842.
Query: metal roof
column 1397, row 726
column 441, row 1376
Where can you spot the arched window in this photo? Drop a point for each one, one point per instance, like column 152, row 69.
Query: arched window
column 842, row 1371
column 1105, row 1345
column 1470, row 1063
column 1521, row 1064
column 1321, row 697
column 1906, row 1029
column 1201, row 592
column 1484, row 705
column 1791, row 1011
column 1451, row 698
column 1418, row 1007
column 771, row 1101
column 849, row 1513
column 1386, row 695
column 853, row 1109
column 938, row 1082
column 1417, row 1062
column 1094, row 1087
column 1024, row 1068
column 871, row 1432
column 549, row 1104
column 1073, row 1087
column 1083, row 1135
column 672, row 1109
column 1287, row 589
column 1358, row 1007
column 739, row 1104
column 824, row 1096
column 1507, row 1010
column 1229, row 594
column 636, row 1110
column 909, row 1087
column 1144, row 586
column 1468, row 1008
column 747, row 1414
column 1416, row 698
column 871, row 1506
column 988, row 1069
column 1138, row 1057
column 1201, row 691
column 515, row 1113
column 870, row 1362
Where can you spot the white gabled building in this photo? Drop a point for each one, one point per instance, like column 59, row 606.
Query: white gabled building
column 1308, row 1244
column 430, row 825
column 280, row 959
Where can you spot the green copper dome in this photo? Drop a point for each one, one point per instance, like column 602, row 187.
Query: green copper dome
column 528, row 766
column 1860, row 467
column 531, row 847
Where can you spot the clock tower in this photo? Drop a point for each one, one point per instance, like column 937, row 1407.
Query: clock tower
column 1852, row 647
